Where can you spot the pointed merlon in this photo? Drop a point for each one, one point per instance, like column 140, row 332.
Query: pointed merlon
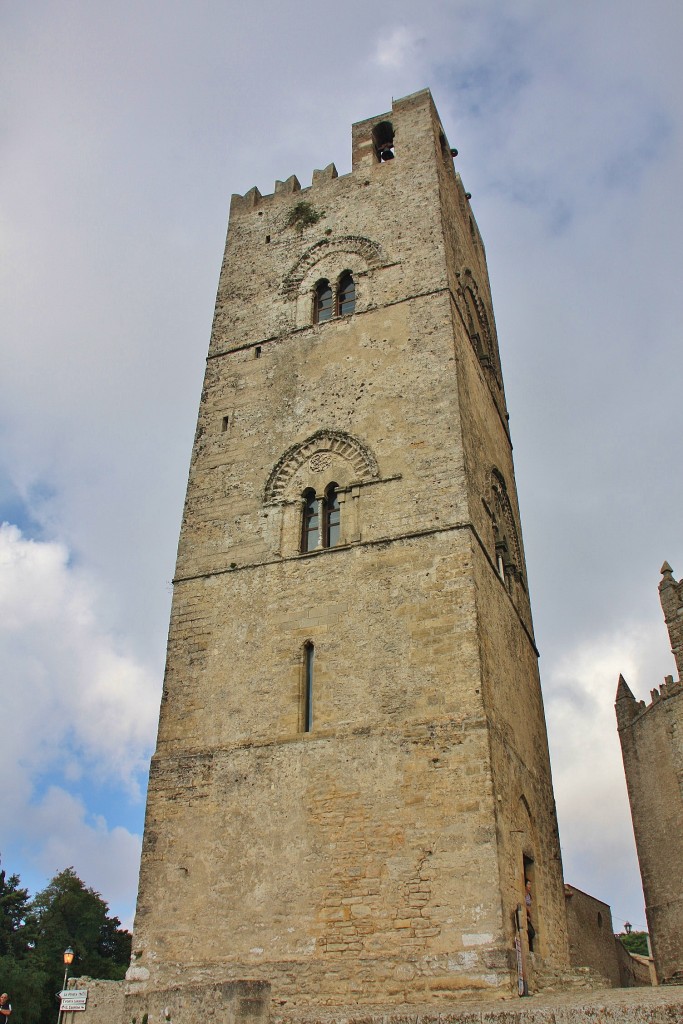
column 666, row 570
column 328, row 173
column 248, row 201
column 623, row 690
column 290, row 185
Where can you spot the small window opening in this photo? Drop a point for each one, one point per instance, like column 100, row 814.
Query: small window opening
column 310, row 531
column 324, row 302
column 501, row 552
column 226, row 423
column 257, row 352
column 383, row 138
column 599, row 919
column 309, row 655
column 346, row 294
column 332, row 517
column 267, row 238
column 530, row 902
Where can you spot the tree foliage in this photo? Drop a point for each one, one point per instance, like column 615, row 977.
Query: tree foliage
column 635, row 942
column 15, row 937
column 34, row 934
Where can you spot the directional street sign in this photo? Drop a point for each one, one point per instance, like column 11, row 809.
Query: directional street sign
column 73, row 999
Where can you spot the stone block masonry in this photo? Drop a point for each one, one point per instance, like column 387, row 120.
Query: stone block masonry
column 352, row 776
column 652, row 748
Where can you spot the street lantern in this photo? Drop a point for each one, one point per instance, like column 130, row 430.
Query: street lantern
column 68, row 957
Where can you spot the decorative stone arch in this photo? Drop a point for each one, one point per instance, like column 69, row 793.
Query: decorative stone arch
column 370, row 252
column 362, row 463
column 328, row 260
column 474, row 313
column 505, row 528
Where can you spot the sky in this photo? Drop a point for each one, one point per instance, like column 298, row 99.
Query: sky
column 124, row 129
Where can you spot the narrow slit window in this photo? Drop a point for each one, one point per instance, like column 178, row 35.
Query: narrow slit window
column 530, row 904
column 310, row 530
column 346, row 294
column 309, row 655
column 332, row 516
column 324, row 302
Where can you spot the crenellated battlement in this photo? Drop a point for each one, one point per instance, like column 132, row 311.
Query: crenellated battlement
column 629, row 708
column 253, row 198
column 378, row 144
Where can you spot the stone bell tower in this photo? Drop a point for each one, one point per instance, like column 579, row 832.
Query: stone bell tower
column 352, row 777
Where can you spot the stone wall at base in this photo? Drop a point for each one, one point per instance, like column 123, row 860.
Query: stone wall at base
column 607, row 1006
column 591, row 934
column 229, row 1002
column 634, row 971
column 104, row 1004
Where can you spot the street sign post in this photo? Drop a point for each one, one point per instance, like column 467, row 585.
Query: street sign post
column 73, row 999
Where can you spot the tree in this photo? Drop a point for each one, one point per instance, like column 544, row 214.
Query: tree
column 15, row 939
column 35, row 933
column 18, row 972
column 67, row 913
column 635, row 942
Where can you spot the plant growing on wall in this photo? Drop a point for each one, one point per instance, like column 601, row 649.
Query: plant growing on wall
column 302, row 216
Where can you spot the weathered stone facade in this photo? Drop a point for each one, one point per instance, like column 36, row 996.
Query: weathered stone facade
column 652, row 748
column 592, row 942
column 352, row 772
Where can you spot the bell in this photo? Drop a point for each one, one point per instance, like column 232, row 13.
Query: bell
column 386, row 152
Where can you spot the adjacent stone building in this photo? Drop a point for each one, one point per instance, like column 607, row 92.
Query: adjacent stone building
column 652, row 747
column 351, row 779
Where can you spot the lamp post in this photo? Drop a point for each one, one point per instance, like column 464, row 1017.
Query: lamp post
column 68, row 957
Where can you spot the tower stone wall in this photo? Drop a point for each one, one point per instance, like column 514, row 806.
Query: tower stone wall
column 352, row 776
column 652, row 748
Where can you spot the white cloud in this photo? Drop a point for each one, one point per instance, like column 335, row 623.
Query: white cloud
column 590, row 789
column 68, row 685
column 106, row 858
column 76, row 708
column 395, row 49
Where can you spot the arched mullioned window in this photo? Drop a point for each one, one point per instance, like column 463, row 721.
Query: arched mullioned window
column 321, row 520
column 332, row 517
column 310, row 529
column 323, row 307
column 508, row 552
column 346, row 294
column 503, row 562
column 338, row 302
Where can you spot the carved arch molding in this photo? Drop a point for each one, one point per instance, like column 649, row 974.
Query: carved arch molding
column 505, row 519
column 474, row 315
column 368, row 250
column 334, row 442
